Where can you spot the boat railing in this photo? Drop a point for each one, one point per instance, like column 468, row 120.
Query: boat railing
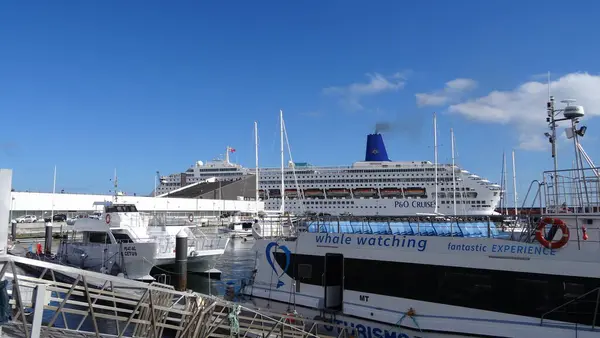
column 208, row 243
column 585, row 305
column 571, row 191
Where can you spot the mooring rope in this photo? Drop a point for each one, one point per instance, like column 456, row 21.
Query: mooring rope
column 234, row 323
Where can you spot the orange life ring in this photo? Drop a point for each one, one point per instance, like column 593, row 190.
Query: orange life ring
column 107, row 218
column 555, row 222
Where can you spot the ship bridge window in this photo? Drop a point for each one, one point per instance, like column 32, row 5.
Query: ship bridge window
column 122, row 238
column 98, row 237
column 120, row 208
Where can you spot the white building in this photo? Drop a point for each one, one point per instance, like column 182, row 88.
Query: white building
column 40, row 204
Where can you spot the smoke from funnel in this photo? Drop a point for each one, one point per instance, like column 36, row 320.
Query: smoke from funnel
column 382, row 127
column 411, row 126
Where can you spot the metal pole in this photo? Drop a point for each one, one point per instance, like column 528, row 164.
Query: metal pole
column 514, row 184
column 435, row 155
column 453, row 178
column 48, row 239
column 256, row 160
column 282, row 192
column 181, row 255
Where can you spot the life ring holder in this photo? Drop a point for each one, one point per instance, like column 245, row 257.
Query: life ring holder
column 555, row 222
column 107, row 218
column 191, row 218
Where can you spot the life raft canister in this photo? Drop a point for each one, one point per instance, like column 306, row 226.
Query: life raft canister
column 555, row 222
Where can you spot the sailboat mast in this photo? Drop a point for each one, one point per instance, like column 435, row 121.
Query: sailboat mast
column 256, row 160
column 453, row 171
column 53, row 192
column 435, row 155
column 504, row 184
column 514, row 183
column 282, row 162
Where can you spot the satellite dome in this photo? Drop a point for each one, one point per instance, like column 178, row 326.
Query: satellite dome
column 573, row 112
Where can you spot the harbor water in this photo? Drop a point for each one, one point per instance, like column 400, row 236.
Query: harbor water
column 235, row 264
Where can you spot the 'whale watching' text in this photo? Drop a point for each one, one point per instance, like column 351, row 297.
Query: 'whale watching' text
column 381, row 241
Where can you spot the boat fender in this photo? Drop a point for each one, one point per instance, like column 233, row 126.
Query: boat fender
column 115, row 269
column 191, row 218
column 107, row 218
column 556, row 223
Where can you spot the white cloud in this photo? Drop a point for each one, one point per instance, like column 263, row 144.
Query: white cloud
column 525, row 106
column 451, row 92
column 351, row 95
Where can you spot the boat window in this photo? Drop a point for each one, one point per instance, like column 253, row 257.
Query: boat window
column 512, row 292
column 304, row 271
column 121, row 208
column 246, row 225
column 122, row 238
column 98, row 237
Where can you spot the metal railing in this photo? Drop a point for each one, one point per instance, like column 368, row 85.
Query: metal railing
column 574, row 302
column 572, row 191
column 59, row 301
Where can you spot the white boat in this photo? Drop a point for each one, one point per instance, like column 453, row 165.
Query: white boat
column 376, row 186
column 100, row 251
column 447, row 277
column 128, row 225
column 238, row 226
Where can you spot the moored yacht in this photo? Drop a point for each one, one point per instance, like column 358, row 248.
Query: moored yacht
column 446, row 276
column 100, row 251
column 128, row 225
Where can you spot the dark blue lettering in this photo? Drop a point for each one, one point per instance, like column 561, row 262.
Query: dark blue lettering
column 377, row 333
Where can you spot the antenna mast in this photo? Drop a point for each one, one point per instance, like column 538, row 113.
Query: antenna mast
column 115, row 186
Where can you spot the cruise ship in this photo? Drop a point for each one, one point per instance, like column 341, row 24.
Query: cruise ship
column 376, row 186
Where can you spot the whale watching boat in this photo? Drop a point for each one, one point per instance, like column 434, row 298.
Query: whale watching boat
column 441, row 276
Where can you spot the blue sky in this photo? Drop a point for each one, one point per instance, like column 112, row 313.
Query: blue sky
column 142, row 86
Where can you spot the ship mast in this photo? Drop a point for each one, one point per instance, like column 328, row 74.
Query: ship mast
column 256, row 160
column 514, row 185
column 453, row 170
column 282, row 163
column 435, row 155
column 53, row 192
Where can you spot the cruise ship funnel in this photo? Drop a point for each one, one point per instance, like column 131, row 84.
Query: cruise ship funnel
column 375, row 149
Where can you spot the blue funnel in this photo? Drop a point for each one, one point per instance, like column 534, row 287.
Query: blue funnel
column 375, row 149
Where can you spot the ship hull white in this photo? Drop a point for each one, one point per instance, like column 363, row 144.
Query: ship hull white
column 458, row 285
column 135, row 260
column 377, row 207
column 353, row 326
column 200, row 264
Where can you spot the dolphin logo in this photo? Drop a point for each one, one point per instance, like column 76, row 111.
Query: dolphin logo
column 287, row 253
